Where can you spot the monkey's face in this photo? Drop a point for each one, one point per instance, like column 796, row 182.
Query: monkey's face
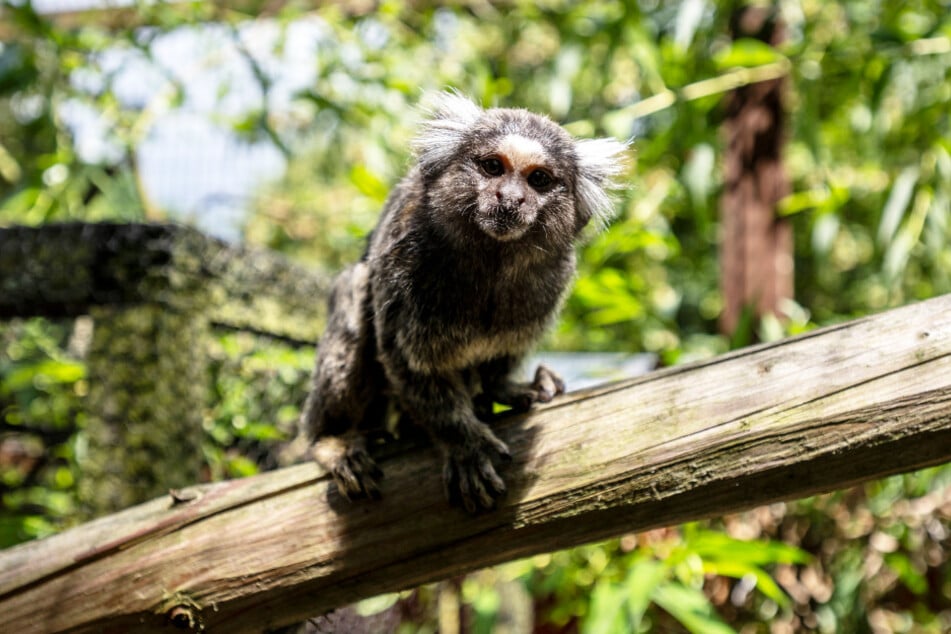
column 512, row 178
column 515, row 181
column 511, row 175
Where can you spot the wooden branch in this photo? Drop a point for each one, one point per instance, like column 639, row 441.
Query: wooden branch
column 63, row 270
column 818, row 412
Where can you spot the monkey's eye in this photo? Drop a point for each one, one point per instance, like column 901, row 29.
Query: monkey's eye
column 492, row 166
column 540, row 180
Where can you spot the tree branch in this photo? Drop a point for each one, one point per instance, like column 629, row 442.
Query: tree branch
column 818, row 412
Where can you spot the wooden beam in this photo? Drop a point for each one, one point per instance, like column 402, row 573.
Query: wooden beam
column 817, row 412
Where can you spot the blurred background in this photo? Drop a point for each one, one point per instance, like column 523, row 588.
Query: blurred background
column 283, row 126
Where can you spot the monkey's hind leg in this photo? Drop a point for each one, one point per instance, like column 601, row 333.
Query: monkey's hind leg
column 347, row 394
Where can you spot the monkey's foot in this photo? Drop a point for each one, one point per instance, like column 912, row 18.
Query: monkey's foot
column 353, row 470
column 547, row 385
column 469, row 474
column 521, row 396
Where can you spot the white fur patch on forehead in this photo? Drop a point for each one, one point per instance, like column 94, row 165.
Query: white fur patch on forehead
column 522, row 152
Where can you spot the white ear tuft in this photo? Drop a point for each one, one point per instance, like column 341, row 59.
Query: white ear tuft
column 450, row 115
column 600, row 162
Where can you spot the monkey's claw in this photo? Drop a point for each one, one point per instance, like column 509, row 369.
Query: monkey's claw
column 357, row 475
column 353, row 470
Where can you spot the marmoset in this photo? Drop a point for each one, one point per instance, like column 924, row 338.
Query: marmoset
column 465, row 270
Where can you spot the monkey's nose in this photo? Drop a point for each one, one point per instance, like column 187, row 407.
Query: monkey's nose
column 510, row 199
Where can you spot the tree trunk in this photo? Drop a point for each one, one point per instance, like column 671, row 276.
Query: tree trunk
column 756, row 261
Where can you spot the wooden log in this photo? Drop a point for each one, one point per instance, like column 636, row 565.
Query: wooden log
column 64, row 270
column 817, row 412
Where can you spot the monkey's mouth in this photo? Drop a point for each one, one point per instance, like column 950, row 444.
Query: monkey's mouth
column 505, row 225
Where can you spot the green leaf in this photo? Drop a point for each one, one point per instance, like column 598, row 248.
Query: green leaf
column 643, row 577
column 743, row 333
column 44, row 372
column 913, row 579
column 377, row 604
column 896, row 204
column 746, row 52
column 259, row 431
column 738, row 570
column 368, row 183
column 714, row 546
column 606, row 614
column 486, row 605
column 691, row 608
column 801, row 201
column 19, row 204
column 241, row 467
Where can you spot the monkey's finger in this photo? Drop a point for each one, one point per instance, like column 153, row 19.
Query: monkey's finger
column 543, row 395
column 450, row 479
column 503, row 452
column 547, row 384
column 466, row 492
column 364, row 472
column 363, row 464
column 487, row 473
column 482, row 497
column 494, row 445
column 366, row 481
column 523, row 402
column 498, row 449
column 485, row 482
column 370, row 488
column 347, row 484
column 481, row 488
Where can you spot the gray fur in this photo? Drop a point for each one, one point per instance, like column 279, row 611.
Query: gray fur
column 464, row 272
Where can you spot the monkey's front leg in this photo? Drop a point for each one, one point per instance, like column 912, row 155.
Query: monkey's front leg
column 442, row 404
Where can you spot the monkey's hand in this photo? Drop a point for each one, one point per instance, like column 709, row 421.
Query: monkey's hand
column 469, row 473
column 352, row 468
column 521, row 396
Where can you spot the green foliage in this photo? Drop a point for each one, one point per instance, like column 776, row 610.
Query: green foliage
column 255, row 388
column 40, row 389
column 870, row 159
column 258, row 387
column 42, row 175
column 663, row 577
column 876, row 563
